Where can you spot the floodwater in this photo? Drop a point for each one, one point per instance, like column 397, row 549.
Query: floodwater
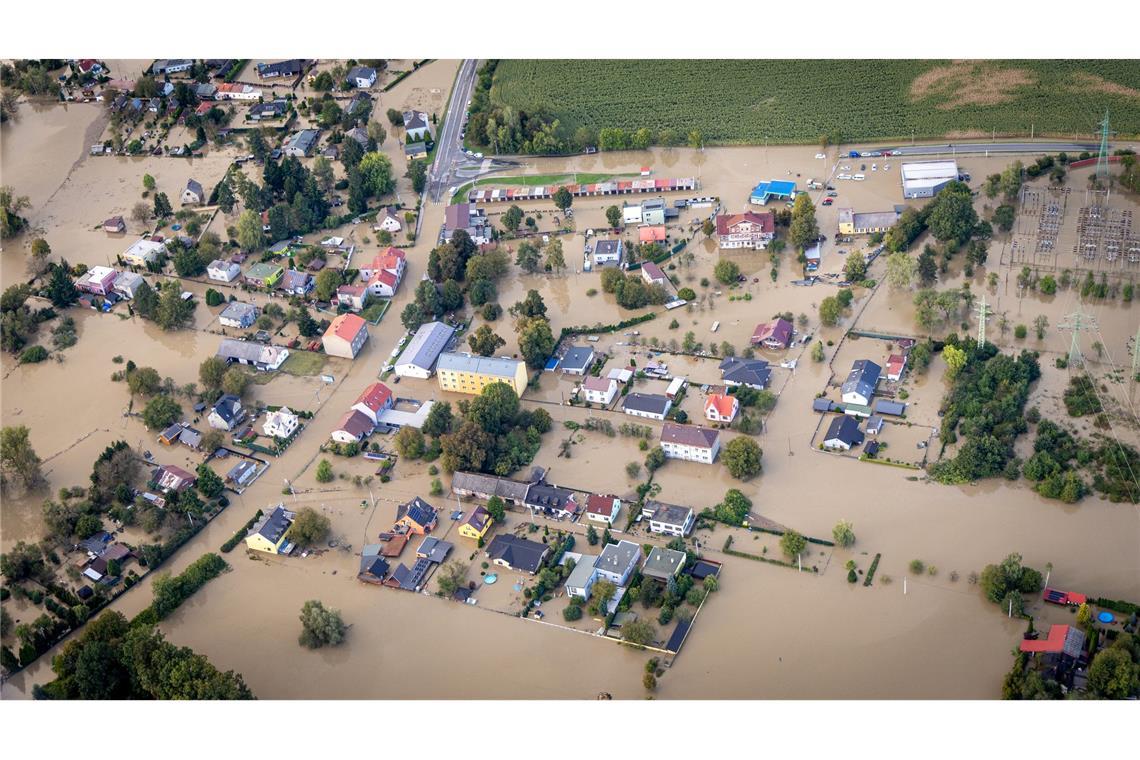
column 770, row 632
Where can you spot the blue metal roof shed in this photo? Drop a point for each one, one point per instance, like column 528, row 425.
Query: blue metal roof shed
column 882, row 406
column 776, row 188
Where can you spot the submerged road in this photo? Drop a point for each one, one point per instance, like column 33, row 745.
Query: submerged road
column 986, row 148
column 449, row 148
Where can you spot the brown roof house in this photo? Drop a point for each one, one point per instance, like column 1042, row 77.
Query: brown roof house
column 692, row 443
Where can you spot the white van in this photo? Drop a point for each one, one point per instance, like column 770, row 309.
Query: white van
column 844, row 176
column 859, row 177
column 715, row 326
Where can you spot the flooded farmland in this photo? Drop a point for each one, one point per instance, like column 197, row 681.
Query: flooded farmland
column 770, row 631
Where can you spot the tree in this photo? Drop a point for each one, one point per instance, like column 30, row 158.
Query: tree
column 638, row 632
column 614, row 216
column 562, row 199
column 591, row 536
column 484, row 341
column 528, row 258
column 450, row 296
column 1003, row 217
column 856, row 267
column 161, row 412
column 235, row 381
column 497, row 508
column 792, row 544
column 249, row 233
column 843, row 534
column 742, row 457
column 148, row 182
column 376, row 173
column 734, row 508
column 951, row 214
column 536, row 341
column 18, row 458
column 211, row 371
column 327, row 281
column 955, row 359
column 61, row 289
column 727, row 271
column 804, row 230
column 162, row 208
column 324, row 471
column 708, row 228
column 555, row 260
column 410, row 442
column 830, row 311
column 144, row 381
column 146, row 301
column 1113, row 674
column 11, row 223
column 417, row 173
column 1040, row 324
column 512, row 218
column 309, row 527
column 927, row 267
column 320, row 626
column 603, row 591
column 452, row 577
column 40, row 251
column 210, row 483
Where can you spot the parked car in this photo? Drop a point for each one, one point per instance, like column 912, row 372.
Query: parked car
column 833, row 194
column 827, row 201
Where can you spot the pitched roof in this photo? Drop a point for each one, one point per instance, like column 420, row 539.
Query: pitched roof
column 346, row 327
column 689, row 435
column 779, row 330
column 651, row 234
column 862, row 378
column 844, row 428
column 646, row 402
column 545, row 496
column 238, row 310
column 195, row 187
column 478, row 519
column 426, row 345
column 355, row 423
column 617, row 558
column 496, row 366
column 724, row 405
column 652, row 270
column 415, row 120
column 418, row 511
column 895, row 364
column 1062, row 639
column 434, row 549
column 518, row 553
column 598, row 504
column 725, row 222
column 375, row 396
column 273, row 525
column 577, row 357
column 476, row 482
column 601, row 384
column 228, row 407
column 745, row 371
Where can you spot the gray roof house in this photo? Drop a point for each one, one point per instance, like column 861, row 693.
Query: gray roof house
column 227, row 413
column 618, row 561
column 608, row 252
column 362, row 76
column 517, row 553
column 843, row 433
column 301, row 144
column 577, row 360
column 193, row 193
column 358, row 134
column 552, row 500
column 485, row 486
column 893, row 408
column 434, row 550
column 272, row 526
column 423, row 350
column 663, row 564
column 651, row 405
column 582, row 577
column 860, row 384
column 238, row 314
column 753, row 373
column 668, row 518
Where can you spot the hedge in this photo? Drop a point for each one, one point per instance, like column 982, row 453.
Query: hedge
column 608, row 328
column 871, row 570
column 239, row 534
column 182, row 587
column 1127, row 608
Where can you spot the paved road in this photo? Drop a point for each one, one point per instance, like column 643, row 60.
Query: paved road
column 989, row 147
column 449, row 148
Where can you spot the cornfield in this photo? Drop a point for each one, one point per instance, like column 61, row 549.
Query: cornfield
column 737, row 101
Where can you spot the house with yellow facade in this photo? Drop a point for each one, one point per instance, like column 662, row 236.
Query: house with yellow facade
column 465, row 373
column 269, row 533
column 476, row 525
column 851, row 223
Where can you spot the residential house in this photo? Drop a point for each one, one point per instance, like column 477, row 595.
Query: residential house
column 751, row 373
column 205, row 91
column 358, row 134
column 896, row 366
column 223, row 271
column 650, row 405
column 227, row 413
column 581, row 580
column 602, row 508
column 860, row 384
column 747, row 230
column 238, row 314
column 510, row 551
column 608, row 252
column 653, row 212
column 652, row 274
column 663, row 564
column 470, row 374
column 264, row 275
column 631, row 213
column 373, row 568
column 351, row 297
column 115, row 224
column 362, row 77
column 128, row 283
column 190, row 437
column 388, row 221
column 676, row 385
column 170, row 436
column 1063, row 640
column 269, row 534
column 720, row 407
column 476, row 524
column 345, row 336
column 417, row 516
column 193, row 194
column 171, row 477
column 434, row 550
column 360, row 101
column 281, row 423
column 467, row 217
column 552, row 501
column 302, row 143
column 599, row 390
column 142, row 252
column 775, row 335
column 236, row 91
column 668, row 518
column 484, row 487
column 874, row 425
column 691, row 443
column 617, row 562
column 164, row 66
column 851, row 223
column 385, row 272
column 257, row 355
column 842, row 433
column 353, row 427
column 416, row 125
column 577, row 360
column 375, row 399
column 297, row 283
column 651, row 234
column 89, row 66
column 419, row 356
column 274, row 109
column 99, row 280
column 290, row 68
column 416, row 150
column 812, row 257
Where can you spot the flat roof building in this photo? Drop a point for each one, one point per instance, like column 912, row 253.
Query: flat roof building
column 926, row 178
column 466, row 373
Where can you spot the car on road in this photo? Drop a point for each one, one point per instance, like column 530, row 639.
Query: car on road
column 865, row 154
column 862, row 167
column 830, row 187
column 874, row 167
column 827, row 201
column 478, row 155
column 833, row 194
column 876, row 153
column 452, row 190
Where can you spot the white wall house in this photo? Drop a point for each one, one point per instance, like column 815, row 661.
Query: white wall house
column 691, row 443
column 223, row 271
column 281, row 424
column 599, row 390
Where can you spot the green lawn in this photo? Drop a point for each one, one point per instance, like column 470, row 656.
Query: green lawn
column 743, row 101
column 375, row 311
column 304, row 363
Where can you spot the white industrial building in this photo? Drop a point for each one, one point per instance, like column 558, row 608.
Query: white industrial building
column 925, row 179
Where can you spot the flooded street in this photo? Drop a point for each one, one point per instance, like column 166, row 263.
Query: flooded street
column 770, row 632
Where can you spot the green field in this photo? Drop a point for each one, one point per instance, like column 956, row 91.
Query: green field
column 733, row 101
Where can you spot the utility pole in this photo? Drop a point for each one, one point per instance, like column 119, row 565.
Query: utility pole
column 983, row 314
column 1102, row 155
column 1136, row 354
column 1076, row 322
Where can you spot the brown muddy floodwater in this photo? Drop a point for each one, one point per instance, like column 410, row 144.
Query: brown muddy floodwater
column 770, row 632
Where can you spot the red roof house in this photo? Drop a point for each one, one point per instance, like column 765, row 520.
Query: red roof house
column 1062, row 639
column 896, row 365
column 721, row 408
column 602, row 508
column 652, row 274
column 651, row 234
column 747, row 230
column 775, row 335
column 373, row 401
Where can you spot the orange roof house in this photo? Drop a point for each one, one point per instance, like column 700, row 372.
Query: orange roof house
column 651, row 234
column 346, row 335
column 720, row 407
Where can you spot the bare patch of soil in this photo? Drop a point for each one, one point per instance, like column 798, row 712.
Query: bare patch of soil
column 963, row 83
column 1084, row 81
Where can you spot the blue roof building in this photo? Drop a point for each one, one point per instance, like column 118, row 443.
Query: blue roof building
column 861, row 382
column 776, row 188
